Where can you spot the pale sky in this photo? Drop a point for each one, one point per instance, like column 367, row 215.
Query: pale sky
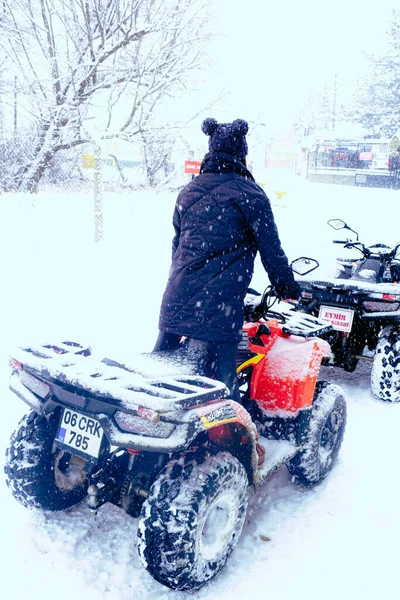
column 272, row 53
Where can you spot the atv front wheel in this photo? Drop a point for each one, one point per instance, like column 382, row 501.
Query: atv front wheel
column 37, row 478
column 385, row 374
column 192, row 519
column 324, row 438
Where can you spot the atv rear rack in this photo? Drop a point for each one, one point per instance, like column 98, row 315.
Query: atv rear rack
column 69, row 363
column 374, row 290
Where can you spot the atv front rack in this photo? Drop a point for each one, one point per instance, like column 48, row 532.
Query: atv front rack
column 299, row 323
column 69, row 364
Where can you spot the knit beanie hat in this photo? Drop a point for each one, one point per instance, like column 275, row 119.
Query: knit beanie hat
column 227, row 137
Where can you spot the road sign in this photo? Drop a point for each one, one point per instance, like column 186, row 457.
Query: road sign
column 192, row 166
column 394, row 143
column 88, row 161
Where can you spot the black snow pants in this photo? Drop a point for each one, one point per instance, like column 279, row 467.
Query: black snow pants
column 216, row 360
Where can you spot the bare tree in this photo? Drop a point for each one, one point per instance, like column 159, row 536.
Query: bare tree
column 376, row 101
column 320, row 111
column 112, row 61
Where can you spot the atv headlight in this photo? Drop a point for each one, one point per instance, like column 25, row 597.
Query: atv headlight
column 372, row 306
column 134, row 424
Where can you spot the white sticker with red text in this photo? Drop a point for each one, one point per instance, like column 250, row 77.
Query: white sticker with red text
column 341, row 319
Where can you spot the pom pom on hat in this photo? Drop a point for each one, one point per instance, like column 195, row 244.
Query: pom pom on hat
column 227, row 137
column 209, row 126
column 240, row 127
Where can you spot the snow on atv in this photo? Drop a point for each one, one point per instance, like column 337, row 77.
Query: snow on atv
column 363, row 305
column 166, row 444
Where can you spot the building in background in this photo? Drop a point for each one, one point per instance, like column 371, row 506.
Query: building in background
column 326, row 158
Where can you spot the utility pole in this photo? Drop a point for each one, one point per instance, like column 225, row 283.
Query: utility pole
column 2, row 144
column 15, row 106
column 334, row 102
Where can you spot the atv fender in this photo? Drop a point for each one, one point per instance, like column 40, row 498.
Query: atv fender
column 229, row 426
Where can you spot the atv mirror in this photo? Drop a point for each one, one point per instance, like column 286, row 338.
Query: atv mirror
column 337, row 224
column 304, row 265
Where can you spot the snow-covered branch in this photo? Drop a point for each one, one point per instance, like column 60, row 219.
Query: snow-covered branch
column 112, row 61
column 376, row 104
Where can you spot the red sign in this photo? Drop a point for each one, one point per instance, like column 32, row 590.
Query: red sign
column 192, row 166
column 365, row 155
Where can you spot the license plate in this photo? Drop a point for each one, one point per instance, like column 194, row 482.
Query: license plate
column 341, row 319
column 80, row 432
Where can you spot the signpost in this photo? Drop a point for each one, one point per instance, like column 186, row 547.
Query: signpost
column 98, row 195
column 93, row 161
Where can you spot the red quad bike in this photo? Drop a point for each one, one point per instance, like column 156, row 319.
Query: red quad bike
column 168, row 446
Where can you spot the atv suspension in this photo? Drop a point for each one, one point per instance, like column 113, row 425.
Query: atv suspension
column 124, row 480
column 106, row 482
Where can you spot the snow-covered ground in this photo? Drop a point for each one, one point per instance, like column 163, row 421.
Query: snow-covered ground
column 339, row 540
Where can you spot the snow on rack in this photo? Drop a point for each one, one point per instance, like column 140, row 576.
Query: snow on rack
column 355, row 285
column 71, row 363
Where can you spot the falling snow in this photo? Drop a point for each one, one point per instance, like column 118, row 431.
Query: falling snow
column 338, row 540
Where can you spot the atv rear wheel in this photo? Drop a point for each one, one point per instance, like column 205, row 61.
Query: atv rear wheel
column 385, row 374
column 192, row 519
column 37, row 478
column 324, row 438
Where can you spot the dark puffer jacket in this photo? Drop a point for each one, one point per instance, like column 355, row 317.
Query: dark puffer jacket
column 221, row 218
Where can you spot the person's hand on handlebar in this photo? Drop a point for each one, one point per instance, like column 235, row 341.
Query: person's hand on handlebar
column 291, row 296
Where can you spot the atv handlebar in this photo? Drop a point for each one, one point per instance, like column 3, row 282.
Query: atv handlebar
column 256, row 310
column 360, row 247
column 368, row 252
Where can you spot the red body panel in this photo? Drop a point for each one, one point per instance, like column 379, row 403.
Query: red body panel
column 284, row 379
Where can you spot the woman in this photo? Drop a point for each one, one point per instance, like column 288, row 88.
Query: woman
column 221, row 219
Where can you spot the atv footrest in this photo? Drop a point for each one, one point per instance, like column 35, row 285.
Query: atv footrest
column 277, row 453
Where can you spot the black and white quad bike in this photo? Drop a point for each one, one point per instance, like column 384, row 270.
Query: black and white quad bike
column 167, row 445
column 362, row 302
